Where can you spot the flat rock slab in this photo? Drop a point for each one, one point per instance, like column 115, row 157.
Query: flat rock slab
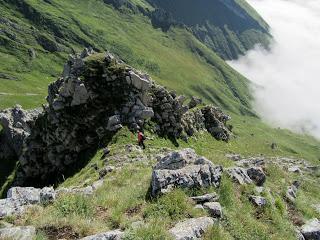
column 210, row 197
column 18, row 233
column 186, row 170
column 239, row 175
column 311, row 230
column 111, row 235
column 190, row 229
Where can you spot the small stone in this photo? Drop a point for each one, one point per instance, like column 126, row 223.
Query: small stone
column 258, row 201
column 214, row 209
column 193, row 228
column 111, row 235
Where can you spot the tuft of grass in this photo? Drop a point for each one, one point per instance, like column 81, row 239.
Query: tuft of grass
column 174, row 205
column 73, row 205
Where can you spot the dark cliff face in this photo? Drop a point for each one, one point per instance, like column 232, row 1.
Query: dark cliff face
column 225, row 26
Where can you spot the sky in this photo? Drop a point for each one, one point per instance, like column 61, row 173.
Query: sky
column 286, row 79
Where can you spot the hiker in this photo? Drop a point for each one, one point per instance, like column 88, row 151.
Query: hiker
column 141, row 139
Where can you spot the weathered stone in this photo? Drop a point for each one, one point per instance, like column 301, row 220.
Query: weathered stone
column 239, row 175
column 210, row 197
column 30, row 195
column 257, row 175
column 18, row 233
column 195, row 101
column 111, row 235
column 190, row 229
column 258, row 201
column 311, row 230
column 114, row 123
column 184, row 169
column 292, row 191
column 214, row 209
column 80, row 95
column 294, row 169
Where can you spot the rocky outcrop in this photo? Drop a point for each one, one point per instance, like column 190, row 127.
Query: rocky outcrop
column 174, row 120
column 93, row 99
column 186, row 170
column 111, row 235
column 18, row 233
column 96, row 95
column 193, row 228
column 311, row 230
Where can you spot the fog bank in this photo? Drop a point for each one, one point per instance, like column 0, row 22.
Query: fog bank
column 287, row 79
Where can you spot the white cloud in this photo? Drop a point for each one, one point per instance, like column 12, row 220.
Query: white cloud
column 288, row 75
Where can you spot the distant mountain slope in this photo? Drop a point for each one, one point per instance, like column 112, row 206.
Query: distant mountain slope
column 229, row 27
column 37, row 36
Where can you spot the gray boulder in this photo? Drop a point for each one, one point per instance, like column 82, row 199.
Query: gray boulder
column 111, row 235
column 184, row 169
column 311, row 230
column 30, row 195
column 18, row 233
column 190, row 229
column 214, row 209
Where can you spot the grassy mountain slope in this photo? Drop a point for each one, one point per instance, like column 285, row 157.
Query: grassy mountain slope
column 230, row 27
column 177, row 60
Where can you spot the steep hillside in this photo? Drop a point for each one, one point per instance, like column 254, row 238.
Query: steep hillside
column 36, row 37
column 230, row 27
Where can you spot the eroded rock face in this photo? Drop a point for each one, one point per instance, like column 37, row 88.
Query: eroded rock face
column 93, row 99
column 174, row 119
column 17, row 124
column 186, row 170
column 193, row 228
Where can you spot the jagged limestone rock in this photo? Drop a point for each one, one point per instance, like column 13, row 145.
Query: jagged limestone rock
column 239, row 175
column 193, row 228
column 17, row 124
column 186, row 170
